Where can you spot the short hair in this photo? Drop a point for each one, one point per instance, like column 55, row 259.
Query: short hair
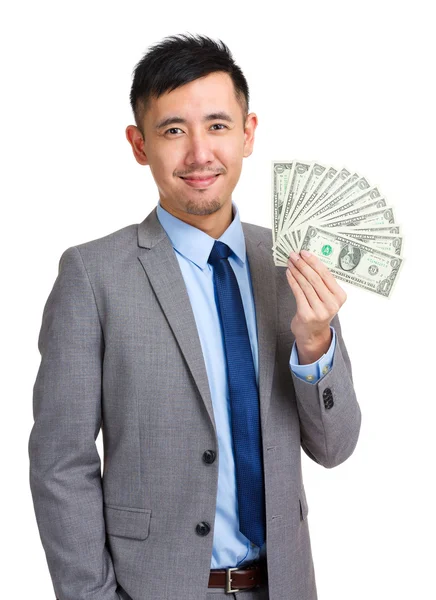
column 177, row 60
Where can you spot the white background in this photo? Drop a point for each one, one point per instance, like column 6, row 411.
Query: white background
column 346, row 83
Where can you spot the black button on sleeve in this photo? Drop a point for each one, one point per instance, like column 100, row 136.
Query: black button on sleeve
column 327, row 394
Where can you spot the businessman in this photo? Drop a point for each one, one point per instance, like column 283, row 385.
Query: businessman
column 206, row 367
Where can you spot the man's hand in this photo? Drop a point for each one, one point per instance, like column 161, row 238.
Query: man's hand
column 318, row 297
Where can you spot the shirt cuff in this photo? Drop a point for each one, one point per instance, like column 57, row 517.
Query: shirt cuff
column 313, row 372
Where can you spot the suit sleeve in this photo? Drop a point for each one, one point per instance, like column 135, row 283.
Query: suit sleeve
column 65, row 467
column 329, row 413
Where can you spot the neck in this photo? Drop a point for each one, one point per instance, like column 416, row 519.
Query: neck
column 214, row 224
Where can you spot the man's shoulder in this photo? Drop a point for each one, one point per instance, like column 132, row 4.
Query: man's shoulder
column 257, row 232
column 102, row 252
column 115, row 240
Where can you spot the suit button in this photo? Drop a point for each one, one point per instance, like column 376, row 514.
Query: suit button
column 209, row 456
column 327, row 394
column 202, row 528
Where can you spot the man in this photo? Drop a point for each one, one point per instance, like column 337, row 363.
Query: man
column 207, row 368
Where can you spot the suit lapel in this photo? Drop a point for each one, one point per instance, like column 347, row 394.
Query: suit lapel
column 265, row 299
column 163, row 271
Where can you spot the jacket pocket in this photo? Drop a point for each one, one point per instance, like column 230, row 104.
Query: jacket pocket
column 127, row 522
column 304, row 509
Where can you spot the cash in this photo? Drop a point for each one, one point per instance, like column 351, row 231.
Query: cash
column 341, row 218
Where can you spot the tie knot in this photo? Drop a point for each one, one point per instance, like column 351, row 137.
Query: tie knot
column 219, row 251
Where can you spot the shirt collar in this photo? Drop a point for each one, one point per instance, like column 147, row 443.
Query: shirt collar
column 196, row 245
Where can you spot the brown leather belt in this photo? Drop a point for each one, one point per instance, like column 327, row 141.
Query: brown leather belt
column 234, row 579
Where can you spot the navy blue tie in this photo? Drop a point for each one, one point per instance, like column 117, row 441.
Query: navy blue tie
column 244, row 397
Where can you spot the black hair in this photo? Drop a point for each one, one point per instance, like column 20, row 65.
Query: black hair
column 177, row 60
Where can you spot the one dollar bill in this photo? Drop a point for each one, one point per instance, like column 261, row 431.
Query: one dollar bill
column 352, row 261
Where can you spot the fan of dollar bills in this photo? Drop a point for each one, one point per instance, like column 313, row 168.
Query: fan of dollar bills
column 341, row 218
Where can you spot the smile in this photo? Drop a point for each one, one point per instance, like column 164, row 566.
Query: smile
column 200, row 183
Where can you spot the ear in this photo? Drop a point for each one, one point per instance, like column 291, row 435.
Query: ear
column 135, row 139
column 250, row 126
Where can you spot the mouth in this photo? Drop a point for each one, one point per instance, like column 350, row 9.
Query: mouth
column 201, row 183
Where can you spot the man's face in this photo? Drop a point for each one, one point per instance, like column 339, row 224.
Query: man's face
column 210, row 143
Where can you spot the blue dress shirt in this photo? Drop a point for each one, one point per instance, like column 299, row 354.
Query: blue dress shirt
column 192, row 248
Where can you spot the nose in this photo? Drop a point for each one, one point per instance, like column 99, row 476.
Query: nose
column 199, row 150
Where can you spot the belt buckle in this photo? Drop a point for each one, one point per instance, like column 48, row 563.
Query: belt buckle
column 229, row 588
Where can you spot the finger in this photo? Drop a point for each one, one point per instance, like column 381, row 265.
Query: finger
column 326, row 275
column 303, row 306
column 315, row 278
column 309, row 291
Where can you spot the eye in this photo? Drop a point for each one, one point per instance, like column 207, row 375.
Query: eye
column 221, row 125
column 173, row 129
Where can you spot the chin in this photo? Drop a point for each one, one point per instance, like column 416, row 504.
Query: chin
column 202, row 207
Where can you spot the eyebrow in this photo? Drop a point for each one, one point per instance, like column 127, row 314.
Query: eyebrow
column 222, row 116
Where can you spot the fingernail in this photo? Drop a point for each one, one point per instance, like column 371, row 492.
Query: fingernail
column 306, row 254
column 294, row 256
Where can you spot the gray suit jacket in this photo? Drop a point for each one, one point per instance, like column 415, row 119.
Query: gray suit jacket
column 120, row 351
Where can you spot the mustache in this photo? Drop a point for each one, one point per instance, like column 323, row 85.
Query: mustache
column 208, row 173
